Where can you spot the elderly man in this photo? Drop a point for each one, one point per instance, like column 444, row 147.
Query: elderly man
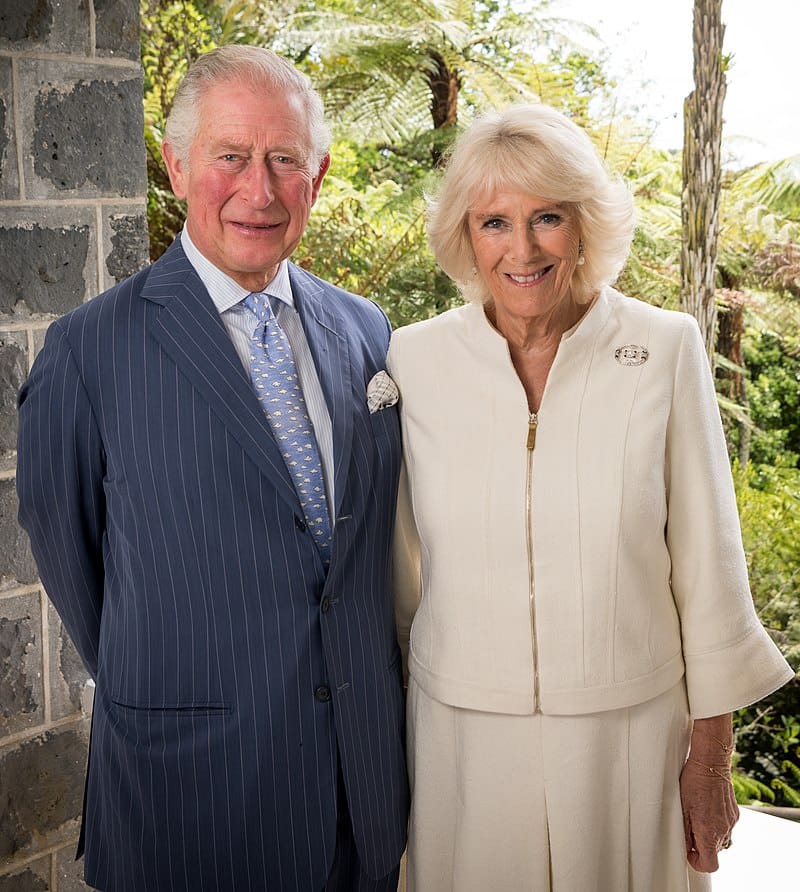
column 208, row 462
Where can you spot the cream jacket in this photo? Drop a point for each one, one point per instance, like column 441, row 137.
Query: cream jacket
column 594, row 570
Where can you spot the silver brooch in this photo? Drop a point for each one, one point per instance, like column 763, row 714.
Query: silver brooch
column 631, row 354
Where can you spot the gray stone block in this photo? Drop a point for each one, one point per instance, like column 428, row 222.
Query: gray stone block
column 38, row 339
column 9, row 175
column 26, row 21
column 117, row 28
column 21, row 684
column 130, row 244
column 70, row 871
column 16, row 560
column 13, row 369
column 86, row 137
column 60, row 26
column 82, row 130
column 51, row 278
column 68, row 677
column 34, row 877
column 41, row 790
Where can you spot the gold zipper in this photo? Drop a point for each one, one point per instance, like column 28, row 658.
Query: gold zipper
column 533, row 423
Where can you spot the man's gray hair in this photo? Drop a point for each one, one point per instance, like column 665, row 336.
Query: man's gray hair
column 257, row 67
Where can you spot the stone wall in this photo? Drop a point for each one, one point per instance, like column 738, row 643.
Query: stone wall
column 72, row 223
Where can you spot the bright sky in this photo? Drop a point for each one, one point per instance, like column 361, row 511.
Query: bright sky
column 650, row 53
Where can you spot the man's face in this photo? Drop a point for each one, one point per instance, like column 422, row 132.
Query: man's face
column 249, row 181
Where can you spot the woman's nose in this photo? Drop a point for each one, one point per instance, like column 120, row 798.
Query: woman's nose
column 524, row 243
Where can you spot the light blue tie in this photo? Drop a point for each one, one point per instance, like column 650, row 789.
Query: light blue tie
column 274, row 376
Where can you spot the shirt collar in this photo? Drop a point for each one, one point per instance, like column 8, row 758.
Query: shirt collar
column 224, row 291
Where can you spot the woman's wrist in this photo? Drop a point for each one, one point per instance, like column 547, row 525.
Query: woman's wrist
column 712, row 743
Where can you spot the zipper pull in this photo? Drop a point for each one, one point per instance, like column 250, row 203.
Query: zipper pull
column 533, row 421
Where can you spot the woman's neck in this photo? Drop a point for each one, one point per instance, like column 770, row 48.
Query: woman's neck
column 533, row 342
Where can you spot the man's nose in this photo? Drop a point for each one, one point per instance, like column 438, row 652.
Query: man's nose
column 257, row 185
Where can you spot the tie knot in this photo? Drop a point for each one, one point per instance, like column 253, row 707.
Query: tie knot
column 259, row 304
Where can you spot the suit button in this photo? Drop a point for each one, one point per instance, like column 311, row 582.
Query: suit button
column 323, row 693
column 300, row 524
column 325, row 605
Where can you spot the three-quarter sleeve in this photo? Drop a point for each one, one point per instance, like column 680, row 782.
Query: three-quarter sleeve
column 730, row 659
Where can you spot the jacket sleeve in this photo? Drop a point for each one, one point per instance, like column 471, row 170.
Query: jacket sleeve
column 406, row 587
column 730, row 660
column 406, row 582
column 60, row 471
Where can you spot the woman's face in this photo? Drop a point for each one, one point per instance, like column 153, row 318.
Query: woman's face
column 526, row 250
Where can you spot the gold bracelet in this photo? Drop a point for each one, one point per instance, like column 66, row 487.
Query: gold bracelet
column 725, row 774
column 727, row 748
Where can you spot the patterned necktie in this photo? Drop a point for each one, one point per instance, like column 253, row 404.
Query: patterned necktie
column 277, row 385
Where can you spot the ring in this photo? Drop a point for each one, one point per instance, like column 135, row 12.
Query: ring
column 726, row 844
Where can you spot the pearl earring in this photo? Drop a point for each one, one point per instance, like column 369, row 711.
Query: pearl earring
column 581, row 259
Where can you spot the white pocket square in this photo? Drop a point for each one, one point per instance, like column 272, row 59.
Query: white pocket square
column 382, row 392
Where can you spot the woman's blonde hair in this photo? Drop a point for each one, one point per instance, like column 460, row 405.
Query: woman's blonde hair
column 534, row 149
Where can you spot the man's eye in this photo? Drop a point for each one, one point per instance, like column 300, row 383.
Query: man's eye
column 229, row 156
column 285, row 160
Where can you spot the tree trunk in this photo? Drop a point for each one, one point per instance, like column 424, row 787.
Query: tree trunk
column 702, row 120
column 732, row 381
column 445, row 84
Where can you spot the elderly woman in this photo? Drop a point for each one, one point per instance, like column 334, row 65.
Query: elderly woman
column 567, row 546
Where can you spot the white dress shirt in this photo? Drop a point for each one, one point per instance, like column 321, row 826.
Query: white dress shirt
column 239, row 322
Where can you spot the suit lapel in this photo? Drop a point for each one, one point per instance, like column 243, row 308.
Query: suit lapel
column 326, row 333
column 189, row 329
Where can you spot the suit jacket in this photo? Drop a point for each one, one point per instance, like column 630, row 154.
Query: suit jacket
column 591, row 571
column 230, row 669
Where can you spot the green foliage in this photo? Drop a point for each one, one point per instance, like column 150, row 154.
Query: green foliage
column 371, row 240
column 768, row 749
column 774, row 397
column 172, row 35
column 748, row 790
column 769, row 509
column 393, row 70
column 760, row 228
column 768, row 733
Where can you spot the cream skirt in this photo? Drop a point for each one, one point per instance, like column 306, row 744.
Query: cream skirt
column 506, row 803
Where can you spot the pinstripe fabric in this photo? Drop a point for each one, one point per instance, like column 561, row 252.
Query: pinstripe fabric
column 198, row 600
column 239, row 322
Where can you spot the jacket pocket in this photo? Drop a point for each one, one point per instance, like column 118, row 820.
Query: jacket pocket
column 177, row 709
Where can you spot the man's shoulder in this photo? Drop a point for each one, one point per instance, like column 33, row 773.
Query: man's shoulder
column 121, row 303
column 355, row 308
column 105, row 306
column 306, row 279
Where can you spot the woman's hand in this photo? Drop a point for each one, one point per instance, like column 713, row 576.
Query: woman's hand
column 707, row 798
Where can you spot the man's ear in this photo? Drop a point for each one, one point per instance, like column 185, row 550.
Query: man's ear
column 176, row 168
column 317, row 182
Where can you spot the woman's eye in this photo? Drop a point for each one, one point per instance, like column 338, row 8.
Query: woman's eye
column 492, row 223
column 547, row 221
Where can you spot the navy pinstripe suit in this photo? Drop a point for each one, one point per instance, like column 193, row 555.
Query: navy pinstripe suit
column 230, row 668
